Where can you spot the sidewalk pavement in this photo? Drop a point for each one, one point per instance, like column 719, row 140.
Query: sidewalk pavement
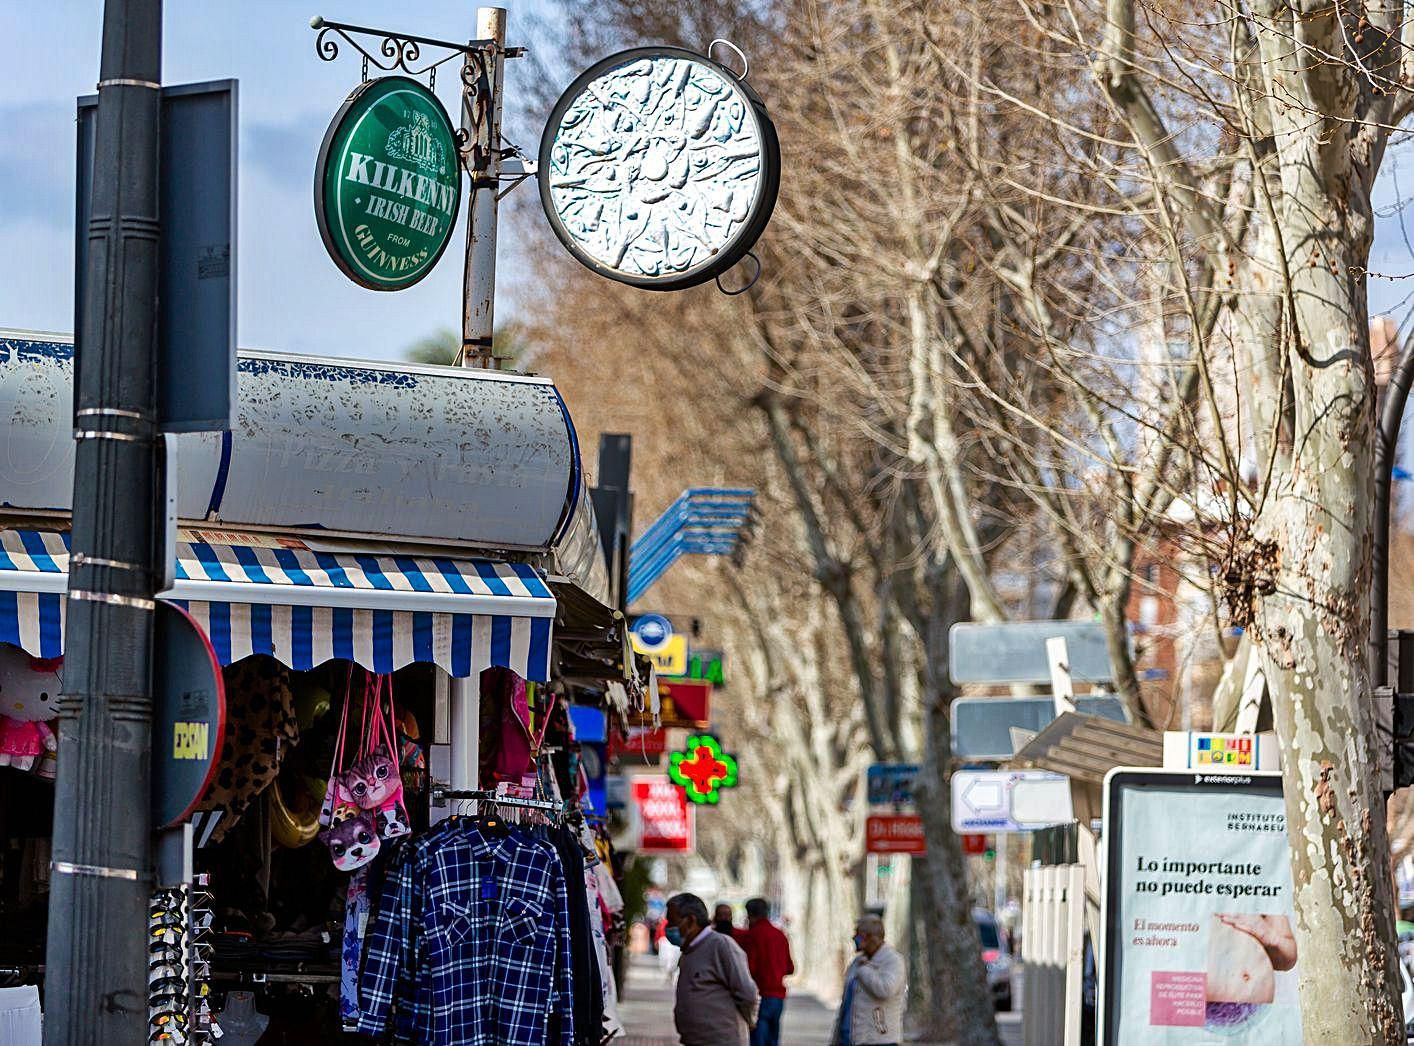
column 647, row 1011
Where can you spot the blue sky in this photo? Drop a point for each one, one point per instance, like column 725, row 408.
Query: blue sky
column 291, row 297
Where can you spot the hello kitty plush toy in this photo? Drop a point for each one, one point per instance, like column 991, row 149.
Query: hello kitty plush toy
column 29, row 698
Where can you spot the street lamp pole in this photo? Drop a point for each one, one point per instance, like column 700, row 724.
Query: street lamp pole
column 96, row 966
column 1386, row 448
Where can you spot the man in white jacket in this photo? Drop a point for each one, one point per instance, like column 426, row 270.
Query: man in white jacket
column 871, row 1010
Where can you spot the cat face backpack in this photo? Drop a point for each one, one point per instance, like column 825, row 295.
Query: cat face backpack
column 368, row 789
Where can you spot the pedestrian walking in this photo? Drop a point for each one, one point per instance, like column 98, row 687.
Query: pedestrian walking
column 769, row 960
column 716, row 998
column 871, row 1010
column 722, row 923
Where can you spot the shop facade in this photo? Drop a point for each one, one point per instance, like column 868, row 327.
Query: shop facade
column 384, row 559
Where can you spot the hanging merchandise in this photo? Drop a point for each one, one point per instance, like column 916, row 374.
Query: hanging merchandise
column 294, row 813
column 511, row 731
column 352, row 842
column 242, row 1023
column 351, row 954
column 261, row 726
column 179, row 967
column 471, row 941
column 412, row 759
column 29, row 699
column 338, row 804
column 372, row 782
column 21, row 1017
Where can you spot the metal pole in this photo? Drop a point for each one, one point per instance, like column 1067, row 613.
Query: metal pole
column 479, row 278
column 478, row 325
column 999, row 873
column 1386, row 447
column 96, row 967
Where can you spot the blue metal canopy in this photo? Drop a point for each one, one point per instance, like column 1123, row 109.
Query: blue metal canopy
column 708, row 521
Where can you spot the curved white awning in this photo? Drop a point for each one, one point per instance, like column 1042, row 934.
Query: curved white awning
column 305, row 607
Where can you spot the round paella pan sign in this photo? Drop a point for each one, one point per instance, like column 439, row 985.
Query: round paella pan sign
column 659, row 168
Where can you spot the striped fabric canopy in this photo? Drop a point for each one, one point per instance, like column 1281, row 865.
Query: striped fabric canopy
column 305, row 607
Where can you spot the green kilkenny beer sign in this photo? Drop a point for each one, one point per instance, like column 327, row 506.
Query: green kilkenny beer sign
column 388, row 185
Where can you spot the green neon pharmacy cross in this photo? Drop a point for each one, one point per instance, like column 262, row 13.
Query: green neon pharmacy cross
column 703, row 769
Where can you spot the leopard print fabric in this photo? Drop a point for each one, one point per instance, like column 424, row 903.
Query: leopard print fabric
column 260, row 728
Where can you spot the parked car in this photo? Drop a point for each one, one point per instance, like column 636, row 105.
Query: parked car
column 996, row 953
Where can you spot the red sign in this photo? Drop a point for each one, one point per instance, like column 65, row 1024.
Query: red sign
column 894, row 834
column 686, row 702
column 641, row 741
column 667, row 822
column 974, row 845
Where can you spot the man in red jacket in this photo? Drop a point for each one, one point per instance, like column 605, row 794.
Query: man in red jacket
column 768, row 958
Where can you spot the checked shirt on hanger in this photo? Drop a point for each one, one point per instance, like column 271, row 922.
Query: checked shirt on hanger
column 471, row 943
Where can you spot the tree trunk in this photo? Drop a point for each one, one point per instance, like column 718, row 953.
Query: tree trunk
column 959, row 977
column 1312, row 548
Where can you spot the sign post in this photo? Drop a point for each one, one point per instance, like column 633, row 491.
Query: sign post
column 1009, row 800
column 96, row 954
column 189, row 717
column 893, row 825
column 388, row 187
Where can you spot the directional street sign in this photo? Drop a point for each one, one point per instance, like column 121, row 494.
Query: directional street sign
column 981, row 726
column 1015, row 652
column 1009, row 800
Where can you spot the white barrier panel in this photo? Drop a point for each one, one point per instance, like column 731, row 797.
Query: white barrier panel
column 1052, row 942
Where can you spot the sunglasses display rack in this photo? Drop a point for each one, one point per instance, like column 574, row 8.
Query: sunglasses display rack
column 179, row 967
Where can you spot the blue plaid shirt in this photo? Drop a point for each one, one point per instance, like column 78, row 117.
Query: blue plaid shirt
column 471, row 944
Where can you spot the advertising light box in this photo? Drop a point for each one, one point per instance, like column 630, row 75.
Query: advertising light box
column 1199, row 943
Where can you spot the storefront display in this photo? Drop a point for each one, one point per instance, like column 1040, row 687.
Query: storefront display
column 342, row 643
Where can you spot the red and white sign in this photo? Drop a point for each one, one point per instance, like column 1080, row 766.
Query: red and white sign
column 974, row 845
column 667, row 823
column 641, row 741
column 894, row 834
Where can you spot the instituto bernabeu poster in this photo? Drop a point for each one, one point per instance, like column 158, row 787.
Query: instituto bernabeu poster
column 1199, row 943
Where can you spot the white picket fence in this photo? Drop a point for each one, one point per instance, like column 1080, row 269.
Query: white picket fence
column 1052, row 943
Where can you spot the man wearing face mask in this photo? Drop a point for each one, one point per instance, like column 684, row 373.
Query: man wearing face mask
column 871, row 1009
column 716, row 998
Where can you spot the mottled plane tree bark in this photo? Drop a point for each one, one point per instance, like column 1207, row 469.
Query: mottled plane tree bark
column 1295, row 103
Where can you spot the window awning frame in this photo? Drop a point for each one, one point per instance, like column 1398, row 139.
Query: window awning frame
column 305, row 607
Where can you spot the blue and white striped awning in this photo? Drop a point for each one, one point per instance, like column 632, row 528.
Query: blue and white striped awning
column 305, row 607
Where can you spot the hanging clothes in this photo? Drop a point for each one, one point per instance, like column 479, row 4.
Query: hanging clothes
column 471, row 944
column 511, row 732
column 588, row 997
column 601, row 907
column 355, row 926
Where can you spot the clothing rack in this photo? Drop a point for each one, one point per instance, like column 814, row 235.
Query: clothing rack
column 441, row 795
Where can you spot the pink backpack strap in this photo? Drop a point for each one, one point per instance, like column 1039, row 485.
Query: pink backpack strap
column 343, row 726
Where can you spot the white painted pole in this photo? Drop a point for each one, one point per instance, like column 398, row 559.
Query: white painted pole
column 479, row 278
column 1062, row 688
column 466, row 734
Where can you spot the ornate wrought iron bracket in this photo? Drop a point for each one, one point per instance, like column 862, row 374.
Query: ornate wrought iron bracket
column 402, row 52
column 398, row 52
